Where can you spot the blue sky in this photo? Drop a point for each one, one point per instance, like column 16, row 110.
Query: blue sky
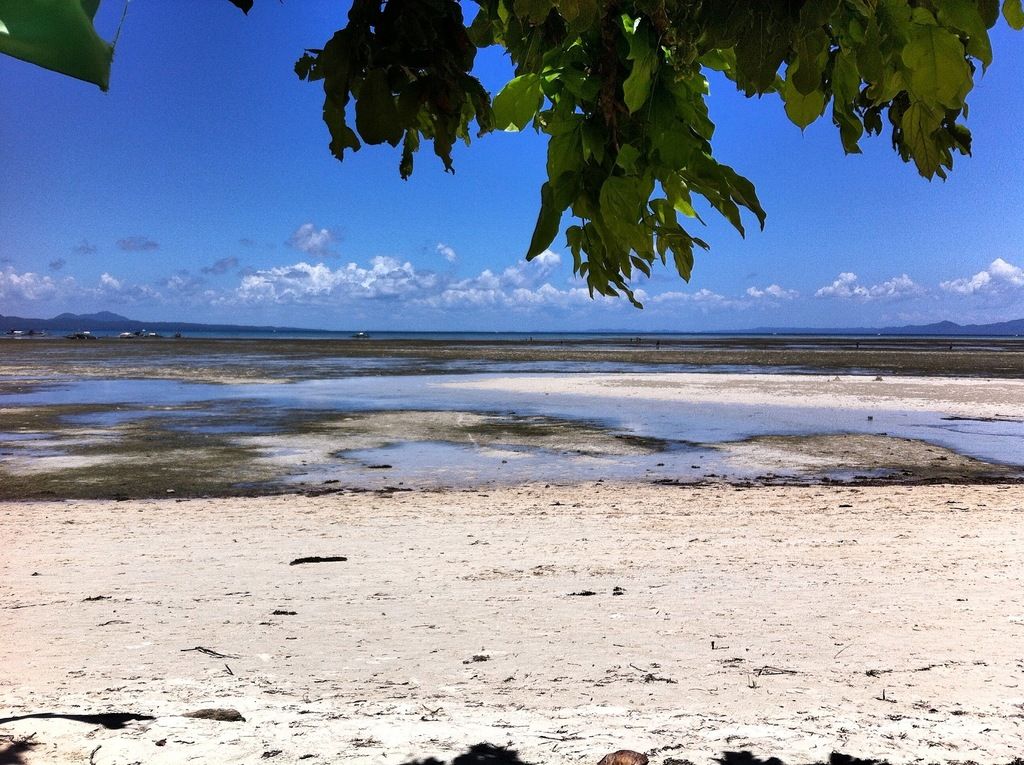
column 200, row 188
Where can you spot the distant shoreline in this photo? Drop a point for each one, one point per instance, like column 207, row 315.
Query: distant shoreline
column 105, row 323
column 956, row 356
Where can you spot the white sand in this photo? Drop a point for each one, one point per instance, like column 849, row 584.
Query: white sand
column 962, row 397
column 921, row 587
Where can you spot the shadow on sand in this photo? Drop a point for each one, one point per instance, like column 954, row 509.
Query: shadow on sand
column 11, row 752
column 109, row 720
column 489, row 754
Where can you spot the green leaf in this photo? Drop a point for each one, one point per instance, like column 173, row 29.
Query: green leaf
column 533, row 10
column 845, row 85
column 919, row 125
column 989, row 10
column 743, row 192
column 869, row 56
column 565, row 153
column 965, row 16
column 518, row 102
column 620, row 199
column 548, row 220
column 802, row 109
column 644, row 55
column 765, row 36
column 627, row 157
column 812, row 55
column 939, row 75
column 342, row 136
column 306, row 67
column 679, row 195
column 376, row 113
column 817, row 13
column 579, row 13
column 682, row 256
column 409, row 146
column 1013, row 12
column 594, row 139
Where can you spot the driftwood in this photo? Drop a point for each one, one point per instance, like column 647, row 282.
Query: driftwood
column 318, row 559
column 211, row 652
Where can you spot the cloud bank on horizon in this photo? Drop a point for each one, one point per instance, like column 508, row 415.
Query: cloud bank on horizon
column 395, row 293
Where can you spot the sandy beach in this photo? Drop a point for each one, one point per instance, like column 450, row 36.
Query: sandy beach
column 561, row 622
column 953, row 397
column 719, row 601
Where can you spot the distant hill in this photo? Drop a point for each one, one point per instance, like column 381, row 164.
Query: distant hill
column 944, row 328
column 105, row 321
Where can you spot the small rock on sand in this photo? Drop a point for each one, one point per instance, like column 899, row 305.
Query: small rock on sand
column 624, row 757
column 219, row 714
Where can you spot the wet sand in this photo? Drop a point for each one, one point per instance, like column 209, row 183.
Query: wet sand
column 677, row 427
column 559, row 622
column 251, row 360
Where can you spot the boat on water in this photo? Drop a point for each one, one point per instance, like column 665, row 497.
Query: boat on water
column 86, row 335
column 361, row 336
column 138, row 333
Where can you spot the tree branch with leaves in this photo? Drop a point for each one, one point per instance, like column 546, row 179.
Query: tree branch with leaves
column 620, row 89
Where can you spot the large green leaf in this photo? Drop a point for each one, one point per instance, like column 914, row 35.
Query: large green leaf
column 919, row 125
column 644, row 55
column 939, row 75
column 621, row 199
column 802, row 108
column 548, row 220
column 518, row 102
column 965, row 16
column 811, row 55
column 58, row 36
column 377, row 117
column 1013, row 12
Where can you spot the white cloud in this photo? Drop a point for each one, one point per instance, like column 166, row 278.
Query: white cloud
column 522, row 285
column 998, row 275
column 772, row 292
column 115, row 290
column 182, row 283
column 314, row 241
column 703, row 297
column 548, row 260
column 446, row 252
column 27, row 285
column 309, row 283
column 847, row 287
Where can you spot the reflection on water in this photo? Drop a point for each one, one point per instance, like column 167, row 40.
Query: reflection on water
column 287, row 425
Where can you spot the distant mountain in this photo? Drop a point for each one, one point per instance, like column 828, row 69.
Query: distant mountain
column 102, row 316
column 1015, row 327
column 105, row 321
column 942, row 328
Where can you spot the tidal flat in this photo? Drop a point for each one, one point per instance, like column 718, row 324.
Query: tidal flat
column 127, row 419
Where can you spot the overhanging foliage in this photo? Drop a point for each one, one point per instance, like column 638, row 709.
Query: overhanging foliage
column 619, row 88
